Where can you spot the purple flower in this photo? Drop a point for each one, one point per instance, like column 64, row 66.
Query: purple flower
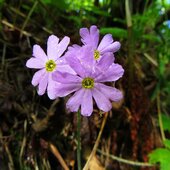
column 91, row 37
column 47, row 64
column 88, row 83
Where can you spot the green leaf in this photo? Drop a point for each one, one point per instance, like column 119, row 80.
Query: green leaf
column 116, row 32
column 161, row 156
column 46, row 1
column 151, row 37
column 166, row 122
column 167, row 143
column 60, row 4
column 98, row 11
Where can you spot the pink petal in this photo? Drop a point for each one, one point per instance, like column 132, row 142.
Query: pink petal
column 102, row 101
column 87, row 59
column 35, row 63
column 94, row 32
column 105, row 42
column 90, row 38
column 114, row 47
column 87, row 103
column 76, row 65
column 84, row 33
column 43, row 84
column 110, row 92
column 74, row 47
column 52, row 47
column 66, row 89
column 113, row 73
column 66, row 78
column 38, row 52
column 104, row 63
column 51, row 88
column 81, row 61
column 61, row 61
column 74, row 102
column 61, row 47
column 65, row 68
column 37, row 77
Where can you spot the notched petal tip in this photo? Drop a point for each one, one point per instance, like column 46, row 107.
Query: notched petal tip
column 53, row 37
column 121, row 71
column 52, row 96
column 29, row 63
column 83, row 31
column 40, row 93
column 93, row 26
column 117, row 46
column 118, row 95
column 93, row 29
column 38, row 52
column 35, row 63
column 66, row 40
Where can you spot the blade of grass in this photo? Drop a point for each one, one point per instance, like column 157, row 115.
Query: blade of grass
column 28, row 17
column 125, row 161
column 3, row 56
column 160, row 118
column 23, row 144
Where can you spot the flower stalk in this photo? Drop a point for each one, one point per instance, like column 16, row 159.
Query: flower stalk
column 79, row 140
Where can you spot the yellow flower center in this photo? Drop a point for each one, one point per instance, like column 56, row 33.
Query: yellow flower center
column 50, row 65
column 88, row 83
column 96, row 54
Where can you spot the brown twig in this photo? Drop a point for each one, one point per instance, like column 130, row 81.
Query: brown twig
column 57, row 154
column 125, row 161
column 18, row 29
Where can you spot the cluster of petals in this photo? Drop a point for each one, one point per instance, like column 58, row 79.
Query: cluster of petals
column 82, row 71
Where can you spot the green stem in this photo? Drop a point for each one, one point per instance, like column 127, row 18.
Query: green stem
column 130, row 42
column 78, row 140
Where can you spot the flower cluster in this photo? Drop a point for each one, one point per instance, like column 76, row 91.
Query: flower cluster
column 82, row 70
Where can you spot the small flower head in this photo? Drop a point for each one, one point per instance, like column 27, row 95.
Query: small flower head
column 88, row 82
column 90, row 37
column 47, row 64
